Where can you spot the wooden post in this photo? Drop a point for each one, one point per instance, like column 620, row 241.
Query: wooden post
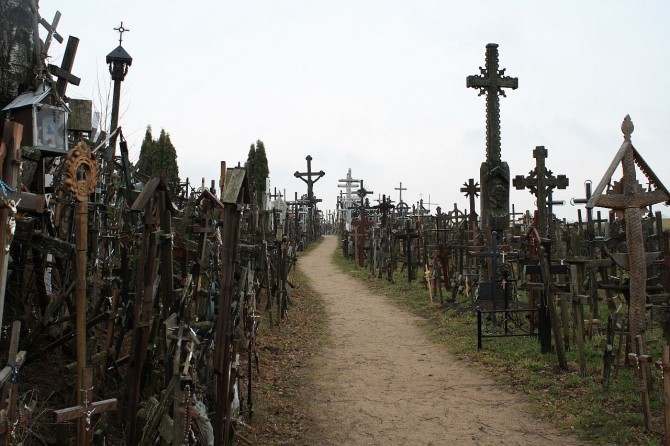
column 10, row 153
column 641, row 363
column 664, row 366
column 549, row 295
column 14, row 415
column 578, row 310
column 81, row 175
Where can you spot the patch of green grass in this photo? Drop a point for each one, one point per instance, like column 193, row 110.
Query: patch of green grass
column 572, row 402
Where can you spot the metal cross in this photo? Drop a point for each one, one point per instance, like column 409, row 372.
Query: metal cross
column 540, row 181
column 400, row 189
column 492, row 81
column 121, row 30
column 471, row 190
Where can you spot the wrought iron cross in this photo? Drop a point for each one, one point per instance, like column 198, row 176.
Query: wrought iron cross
column 491, row 82
column 400, row 189
column 121, row 30
column 540, row 182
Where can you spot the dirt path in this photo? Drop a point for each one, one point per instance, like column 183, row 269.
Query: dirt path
column 383, row 382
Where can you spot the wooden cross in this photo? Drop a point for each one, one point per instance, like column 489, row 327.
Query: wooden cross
column 590, row 234
column 84, row 411
column 81, row 176
column 307, row 178
column 629, row 196
column 63, row 73
column 491, row 82
column 51, row 33
column 362, row 225
column 471, row 190
column 407, row 236
column 540, row 182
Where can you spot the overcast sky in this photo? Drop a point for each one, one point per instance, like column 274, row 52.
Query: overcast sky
column 379, row 86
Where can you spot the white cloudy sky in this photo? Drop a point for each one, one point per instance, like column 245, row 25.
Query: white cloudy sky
column 379, row 86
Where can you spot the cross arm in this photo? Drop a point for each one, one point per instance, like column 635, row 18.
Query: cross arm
column 72, row 413
column 520, row 182
column 508, row 82
column 477, row 82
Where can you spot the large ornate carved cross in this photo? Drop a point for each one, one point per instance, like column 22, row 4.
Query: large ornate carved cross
column 629, row 196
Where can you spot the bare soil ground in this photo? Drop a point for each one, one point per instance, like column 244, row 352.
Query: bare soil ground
column 381, row 381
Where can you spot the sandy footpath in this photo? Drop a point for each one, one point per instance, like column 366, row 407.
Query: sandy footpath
column 382, row 382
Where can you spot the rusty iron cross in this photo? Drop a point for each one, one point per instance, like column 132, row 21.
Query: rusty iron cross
column 491, row 82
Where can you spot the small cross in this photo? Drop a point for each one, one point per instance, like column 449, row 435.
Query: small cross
column 472, row 190
column 51, row 33
column 84, row 411
column 121, row 30
column 400, row 189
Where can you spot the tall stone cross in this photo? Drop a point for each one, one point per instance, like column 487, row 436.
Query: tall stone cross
column 629, row 195
column 540, row 182
column 494, row 173
column 471, row 190
column 307, row 178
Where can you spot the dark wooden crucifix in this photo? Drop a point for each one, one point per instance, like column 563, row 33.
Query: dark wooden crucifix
column 471, row 190
column 540, row 182
column 629, row 196
column 308, row 178
column 494, row 173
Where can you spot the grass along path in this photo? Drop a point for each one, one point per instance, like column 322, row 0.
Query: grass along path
column 572, row 403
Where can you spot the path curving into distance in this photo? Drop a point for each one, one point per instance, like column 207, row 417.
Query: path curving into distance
column 382, row 382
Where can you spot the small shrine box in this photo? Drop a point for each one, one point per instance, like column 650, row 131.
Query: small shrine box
column 44, row 124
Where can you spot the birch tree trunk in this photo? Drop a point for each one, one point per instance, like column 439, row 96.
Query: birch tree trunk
column 18, row 55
